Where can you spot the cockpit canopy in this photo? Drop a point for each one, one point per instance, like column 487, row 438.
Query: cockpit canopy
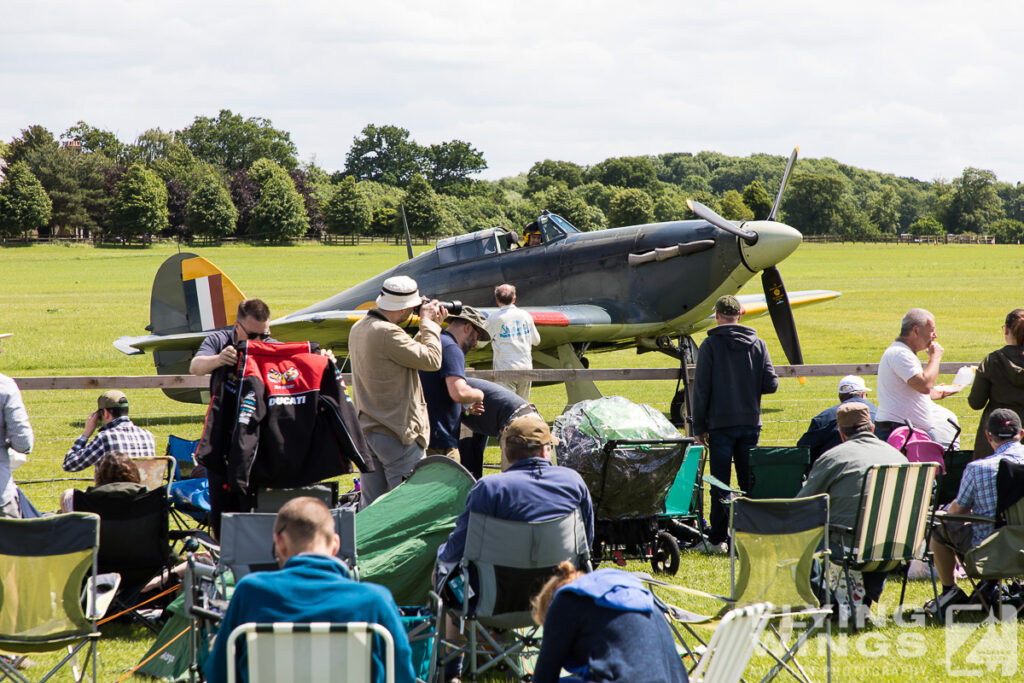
column 493, row 241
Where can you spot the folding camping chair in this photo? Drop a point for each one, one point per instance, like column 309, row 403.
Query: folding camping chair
column 317, row 653
column 685, row 499
column 732, row 645
column 247, row 541
column 775, row 544
column 947, row 482
column 271, row 500
column 135, row 542
column 44, row 563
column 778, row 472
column 155, row 470
column 891, row 523
column 504, row 565
column 182, row 450
column 998, row 557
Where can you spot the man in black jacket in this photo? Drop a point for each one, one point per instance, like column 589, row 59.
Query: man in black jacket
column 733, row 370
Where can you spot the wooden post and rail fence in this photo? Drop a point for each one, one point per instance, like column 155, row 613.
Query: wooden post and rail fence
column 536, row 375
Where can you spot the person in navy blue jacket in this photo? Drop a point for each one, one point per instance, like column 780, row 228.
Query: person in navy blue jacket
column 603, row 626
column 312, row 585
column 823, row 433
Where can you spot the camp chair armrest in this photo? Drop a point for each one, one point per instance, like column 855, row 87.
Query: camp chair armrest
column 943, row 516
column 841, row 528
column 718, row 483
column 648, row 579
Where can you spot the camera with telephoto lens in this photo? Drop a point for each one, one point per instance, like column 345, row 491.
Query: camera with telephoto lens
column 454, row 307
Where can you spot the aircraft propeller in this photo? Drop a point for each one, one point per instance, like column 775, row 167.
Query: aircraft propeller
column 771, row 279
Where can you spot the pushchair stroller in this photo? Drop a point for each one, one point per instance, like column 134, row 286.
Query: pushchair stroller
column 628, row 455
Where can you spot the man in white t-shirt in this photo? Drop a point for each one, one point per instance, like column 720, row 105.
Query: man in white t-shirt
column 905, row 388
column 513, row 334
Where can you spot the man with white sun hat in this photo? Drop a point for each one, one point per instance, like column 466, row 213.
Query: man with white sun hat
column 16, row 439
column 386, row 385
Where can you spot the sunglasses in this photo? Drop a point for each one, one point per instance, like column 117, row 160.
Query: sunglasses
column 262, row 336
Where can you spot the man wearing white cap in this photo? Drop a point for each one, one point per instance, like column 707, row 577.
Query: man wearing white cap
column 15, row 435
column 823, row 433
column 386, row 385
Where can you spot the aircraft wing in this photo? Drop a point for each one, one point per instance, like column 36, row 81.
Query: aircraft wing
column 572, row 323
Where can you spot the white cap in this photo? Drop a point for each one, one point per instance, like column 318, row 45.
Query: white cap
column 852, row 384
column 398, row 292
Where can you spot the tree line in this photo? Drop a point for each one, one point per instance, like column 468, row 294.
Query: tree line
column 234, row 176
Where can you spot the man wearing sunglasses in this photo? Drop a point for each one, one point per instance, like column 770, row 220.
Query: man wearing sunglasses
column 218, row 357
column 252, row 321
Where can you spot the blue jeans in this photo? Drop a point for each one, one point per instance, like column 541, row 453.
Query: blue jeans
column 725, row 447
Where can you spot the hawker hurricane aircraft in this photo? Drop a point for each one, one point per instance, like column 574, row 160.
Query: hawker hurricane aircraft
column 645, row 286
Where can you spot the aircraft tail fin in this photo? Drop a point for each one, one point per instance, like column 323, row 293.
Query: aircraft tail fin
column 190, row 295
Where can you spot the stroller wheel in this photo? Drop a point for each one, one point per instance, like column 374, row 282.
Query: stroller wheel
column 665, row 557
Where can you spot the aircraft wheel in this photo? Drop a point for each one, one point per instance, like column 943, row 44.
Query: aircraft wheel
column 665, row 558
column 677, row 409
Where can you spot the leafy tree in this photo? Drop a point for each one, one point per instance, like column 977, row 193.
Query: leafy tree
column 596, row 194
column 140, row 207
column 635, row 172
column 209, row 210
column 79, row 185
column 34, row 139
column 450, row 164
column 177, row 208
column 631, row 206
column 1007, row 231
column 422, row 208
column 927, row 225
column 566, row 204
column 707, row 199
column 310, row 202
column 884, row 210
column 151, row 145
column 245, row 192
column 671, row 206
column 678, row 166
column 94, row 139
column 694, row 183
column 974, row 203
column 814, row 203
column 544, row 174
column 235, row 143
column 733, row 207
column 279, row 214
column 24, row 205
column 758, row 200
column 348, row 210
column 384, row 154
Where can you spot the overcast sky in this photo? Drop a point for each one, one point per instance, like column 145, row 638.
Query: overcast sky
column 921, row 89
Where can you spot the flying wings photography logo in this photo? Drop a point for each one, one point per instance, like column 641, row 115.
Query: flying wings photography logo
column 985, row 649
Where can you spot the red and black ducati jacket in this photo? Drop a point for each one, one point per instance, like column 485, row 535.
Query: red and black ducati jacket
column 290, row 424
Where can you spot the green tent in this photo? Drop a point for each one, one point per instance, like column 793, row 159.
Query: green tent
column 397, row 537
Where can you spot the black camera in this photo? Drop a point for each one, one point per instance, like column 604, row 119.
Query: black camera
column 454, row 307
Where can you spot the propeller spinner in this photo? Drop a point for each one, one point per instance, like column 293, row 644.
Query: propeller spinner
column 771, row 279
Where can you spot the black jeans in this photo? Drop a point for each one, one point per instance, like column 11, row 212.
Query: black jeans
column 725, row 447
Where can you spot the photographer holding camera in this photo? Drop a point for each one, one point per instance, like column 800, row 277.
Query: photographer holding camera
column 386, row 385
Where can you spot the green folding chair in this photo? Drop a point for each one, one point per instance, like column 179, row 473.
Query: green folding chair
column 685, row 499
column 44, row 563
column 892, row 522
column 778, row 471
column 775, row 544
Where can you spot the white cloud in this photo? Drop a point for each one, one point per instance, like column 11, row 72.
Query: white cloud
column 915, row 88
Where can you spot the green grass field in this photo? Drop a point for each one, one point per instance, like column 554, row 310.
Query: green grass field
column 66, row 304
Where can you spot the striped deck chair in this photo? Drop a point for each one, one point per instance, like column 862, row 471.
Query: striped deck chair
column 892, row 522
column 314, row 652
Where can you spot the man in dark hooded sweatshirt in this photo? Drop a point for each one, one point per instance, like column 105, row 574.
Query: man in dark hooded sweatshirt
column 733, row 370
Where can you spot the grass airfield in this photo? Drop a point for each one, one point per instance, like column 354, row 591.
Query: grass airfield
column 66, row 304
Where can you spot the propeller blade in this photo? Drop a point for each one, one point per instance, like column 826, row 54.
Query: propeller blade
column 748, row 236
column 781, row 314
column 782, row 185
